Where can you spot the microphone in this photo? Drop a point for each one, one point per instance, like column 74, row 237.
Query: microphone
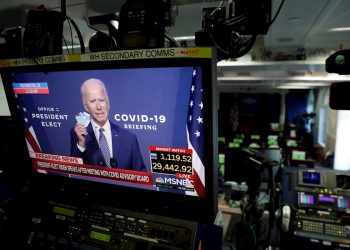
column 113, row 162
column 101, row 162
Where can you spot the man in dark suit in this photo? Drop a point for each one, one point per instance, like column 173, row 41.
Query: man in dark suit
column 102, row 142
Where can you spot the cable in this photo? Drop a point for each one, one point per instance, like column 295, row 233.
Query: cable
column 245, row 229
column 89, row 25
column 254, row 235
column 236, row 19
column 172, row 41
column 277, row 13
column 65, row 42
column 80, row 37
column 217, row 8
column 71, row 35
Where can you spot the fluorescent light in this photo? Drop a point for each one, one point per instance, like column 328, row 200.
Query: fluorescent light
column 296, row 87
column 312, row 83
column 184, row 38
column 340, row 29
column 75, row 46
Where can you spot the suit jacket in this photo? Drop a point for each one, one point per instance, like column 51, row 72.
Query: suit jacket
column 126, row 149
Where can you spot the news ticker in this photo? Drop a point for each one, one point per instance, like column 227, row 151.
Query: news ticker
column 171, row 168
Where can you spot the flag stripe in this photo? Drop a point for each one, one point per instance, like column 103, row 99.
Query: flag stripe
column 195, row 132
column 29, row 133
column 32, row 141
column 198, row 173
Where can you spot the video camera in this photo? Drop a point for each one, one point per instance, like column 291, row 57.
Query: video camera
column 234, row 35
column 41, row 36
column 141, row 24
column 255, row 163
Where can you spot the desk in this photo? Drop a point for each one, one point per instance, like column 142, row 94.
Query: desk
column 229, row 216
column 224, row 208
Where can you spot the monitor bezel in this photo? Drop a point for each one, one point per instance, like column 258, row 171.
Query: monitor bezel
column 167, row 204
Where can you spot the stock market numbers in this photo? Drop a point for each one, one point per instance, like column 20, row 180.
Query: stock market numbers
column 169, row 160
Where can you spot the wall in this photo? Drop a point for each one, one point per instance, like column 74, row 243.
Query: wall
column 331, row 130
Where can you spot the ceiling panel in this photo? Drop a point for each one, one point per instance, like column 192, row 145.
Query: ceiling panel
column 293, row 23
column 306, row 24
column 335, row 15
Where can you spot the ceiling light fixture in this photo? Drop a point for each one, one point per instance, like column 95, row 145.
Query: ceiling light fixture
column 285, row 39
column 184, row 38
column 293, row 19
column 340, row 29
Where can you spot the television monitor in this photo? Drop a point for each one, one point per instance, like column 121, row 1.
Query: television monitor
column 255, row 137
column 293, row 133
column 221, row 164
column 298, row 155
column 343, row 203
column 221, row 139
column 254, row 141
column 221, row 158
column 272, row 140
column 234, row 145
column 291, row 143
column 305, row 199
column 327, row 201
column 162, row 117
column 254, row 145
column 238, row 140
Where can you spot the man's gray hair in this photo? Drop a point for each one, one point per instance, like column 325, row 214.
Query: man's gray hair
column 93, row 81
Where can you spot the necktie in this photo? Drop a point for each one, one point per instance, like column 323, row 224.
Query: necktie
column 104, row 147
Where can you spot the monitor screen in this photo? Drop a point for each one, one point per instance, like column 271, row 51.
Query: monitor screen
column 234, row 145
column 221, row 139
column 255, row 137
column 127, row 124
column 298, row 155
column 238, row 140
column 305, row 199
column 291, row 143
column 311, row 178
column 343, row 203
column 327, row 201
column 272, row 140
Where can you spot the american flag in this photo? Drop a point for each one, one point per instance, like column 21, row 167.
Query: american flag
column 195, row 136
column 31, row 139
